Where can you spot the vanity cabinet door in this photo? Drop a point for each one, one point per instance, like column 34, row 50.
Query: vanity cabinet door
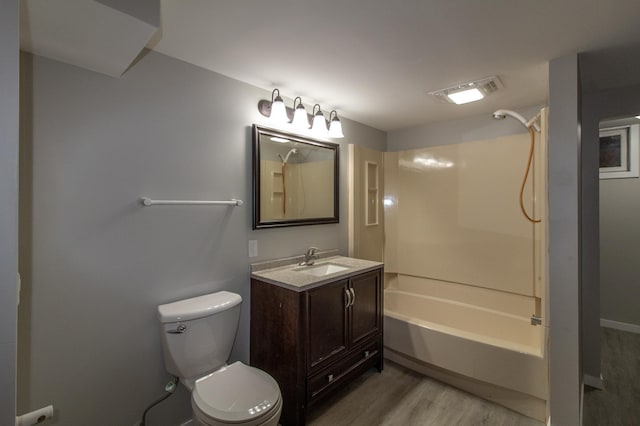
column 327, row 315
column 366, row 307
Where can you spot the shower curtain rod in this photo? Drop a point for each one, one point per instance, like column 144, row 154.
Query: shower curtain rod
column 149, row 202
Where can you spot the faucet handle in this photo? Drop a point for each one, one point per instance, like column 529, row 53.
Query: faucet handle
column 309, row 257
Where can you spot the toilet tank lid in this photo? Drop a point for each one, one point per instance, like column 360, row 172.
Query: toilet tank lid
column 198, row 307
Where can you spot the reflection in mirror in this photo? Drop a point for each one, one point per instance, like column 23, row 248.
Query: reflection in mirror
column 295, row 180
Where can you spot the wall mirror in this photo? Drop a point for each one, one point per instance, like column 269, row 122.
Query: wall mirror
column 295, row 180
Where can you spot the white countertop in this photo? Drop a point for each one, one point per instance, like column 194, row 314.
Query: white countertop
column 285, row 276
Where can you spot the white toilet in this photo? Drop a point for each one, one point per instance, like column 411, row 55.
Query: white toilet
column 197, row 336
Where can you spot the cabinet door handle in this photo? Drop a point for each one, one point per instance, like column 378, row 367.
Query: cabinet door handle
column 353, row 296
column 366, row 354
column 348, row 303
column 330, row 377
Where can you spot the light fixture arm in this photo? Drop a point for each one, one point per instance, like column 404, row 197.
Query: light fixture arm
column 275, row 97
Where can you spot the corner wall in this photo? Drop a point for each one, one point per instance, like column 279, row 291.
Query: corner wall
column 98, row 263
column 564, row 241
column 9, row 82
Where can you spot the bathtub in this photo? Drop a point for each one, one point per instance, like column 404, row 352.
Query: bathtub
column 493, row 353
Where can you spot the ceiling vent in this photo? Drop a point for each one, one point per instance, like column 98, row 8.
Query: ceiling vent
column 468, row 92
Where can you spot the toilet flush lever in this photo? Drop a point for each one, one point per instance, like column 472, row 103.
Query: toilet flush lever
column 178, row 330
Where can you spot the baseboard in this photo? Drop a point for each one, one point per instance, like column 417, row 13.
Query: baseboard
column 622, row 326
column 594, row 382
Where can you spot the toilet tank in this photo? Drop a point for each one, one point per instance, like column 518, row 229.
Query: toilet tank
column 198, row 333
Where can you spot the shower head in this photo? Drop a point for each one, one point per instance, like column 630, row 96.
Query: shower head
column 503, row 113
column 286, row 157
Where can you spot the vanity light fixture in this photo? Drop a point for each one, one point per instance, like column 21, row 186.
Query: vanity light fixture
column 300, row 119
column 319, row 126
column 638, row 117
column 468, row 92
column 335, row 126
column 279, row 113
column 278, row 109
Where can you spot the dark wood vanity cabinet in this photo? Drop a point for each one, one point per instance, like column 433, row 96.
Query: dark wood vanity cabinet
column 315, row 341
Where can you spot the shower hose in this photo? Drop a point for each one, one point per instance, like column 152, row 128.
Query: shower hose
column 526, row 175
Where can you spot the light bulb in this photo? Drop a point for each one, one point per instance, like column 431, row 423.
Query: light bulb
column 319, row 126
column 300, row 120
column 466, row 96
column 335, row 126
column 278, row 109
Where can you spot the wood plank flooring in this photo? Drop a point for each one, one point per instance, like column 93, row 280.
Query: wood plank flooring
column 399, row 396
column 619, row 402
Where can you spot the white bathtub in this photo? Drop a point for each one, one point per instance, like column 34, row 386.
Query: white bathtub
column 495, row 354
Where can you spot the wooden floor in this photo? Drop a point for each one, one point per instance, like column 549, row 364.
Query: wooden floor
column 399, row 396
column 619, row 402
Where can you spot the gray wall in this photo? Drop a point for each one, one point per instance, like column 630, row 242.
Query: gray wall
column 616, row 294
column 469, row 129
column 603, row 97
column 98, row 263
column 8, row 207
column 619, row 248
column 564, row 241
column 590, row 243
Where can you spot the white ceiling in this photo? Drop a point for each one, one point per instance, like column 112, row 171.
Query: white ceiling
column 375, row 60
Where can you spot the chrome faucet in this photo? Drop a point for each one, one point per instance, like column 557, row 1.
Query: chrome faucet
column 309, row 257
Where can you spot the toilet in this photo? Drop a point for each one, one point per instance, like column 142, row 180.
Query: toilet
column 197, row 337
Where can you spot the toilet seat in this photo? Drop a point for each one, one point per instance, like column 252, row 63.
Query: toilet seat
column 236, row 394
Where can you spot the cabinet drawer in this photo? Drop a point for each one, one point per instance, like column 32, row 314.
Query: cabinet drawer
column 335, row 373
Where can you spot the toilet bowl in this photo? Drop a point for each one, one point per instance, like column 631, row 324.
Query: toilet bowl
column 236, row 395
column 197, row 338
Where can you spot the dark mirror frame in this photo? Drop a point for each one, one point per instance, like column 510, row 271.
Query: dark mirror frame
column 258, row 223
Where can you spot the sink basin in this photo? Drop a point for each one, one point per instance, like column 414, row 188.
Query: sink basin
column 322, row 269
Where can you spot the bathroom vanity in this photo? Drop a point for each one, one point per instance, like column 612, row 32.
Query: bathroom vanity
column 316, row 328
